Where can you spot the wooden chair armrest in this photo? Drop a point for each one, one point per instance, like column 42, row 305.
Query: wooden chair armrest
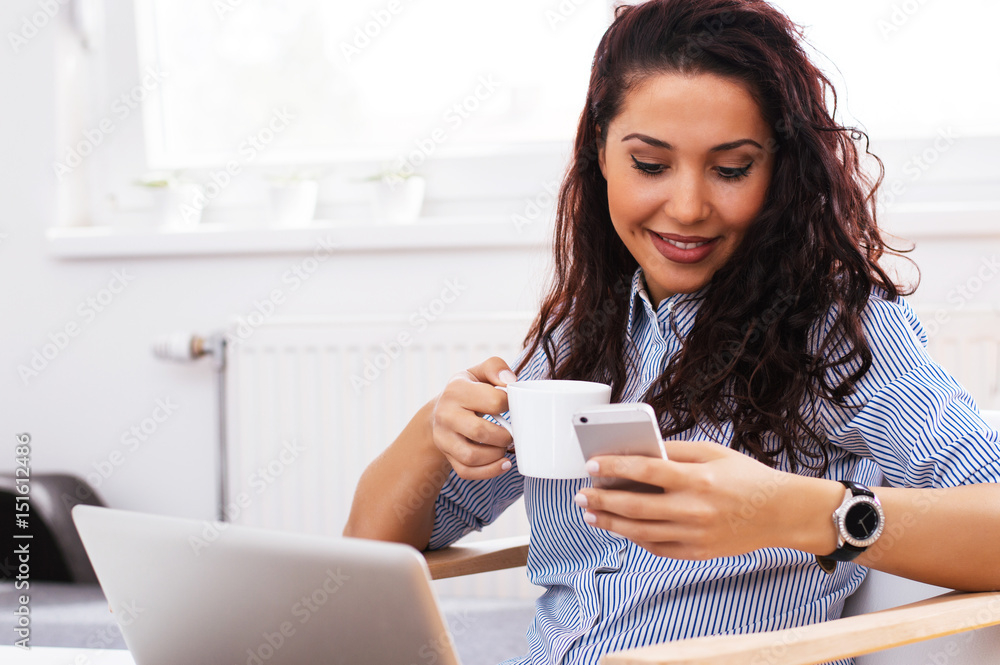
column 481, row 557
column 943, row 615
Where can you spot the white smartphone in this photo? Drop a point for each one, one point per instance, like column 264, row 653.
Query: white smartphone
column 619, row 429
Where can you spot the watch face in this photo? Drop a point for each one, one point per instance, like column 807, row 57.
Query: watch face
column 862, row 521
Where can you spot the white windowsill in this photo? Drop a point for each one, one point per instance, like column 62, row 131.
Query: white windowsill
column 941, row 221
column 917, row 222
column 93, row 242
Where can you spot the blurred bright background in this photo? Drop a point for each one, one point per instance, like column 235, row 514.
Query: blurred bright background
column 467, row 94
column 287, row 118
column 362, row 192
column 904, row 68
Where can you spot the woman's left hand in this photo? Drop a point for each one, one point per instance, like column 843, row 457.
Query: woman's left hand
column 716, row 502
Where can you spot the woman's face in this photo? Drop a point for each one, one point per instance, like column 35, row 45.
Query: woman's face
column 687, row 172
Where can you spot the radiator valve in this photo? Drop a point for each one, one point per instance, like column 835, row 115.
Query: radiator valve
column 185, row 347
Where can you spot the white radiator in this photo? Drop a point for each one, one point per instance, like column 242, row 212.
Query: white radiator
column 311, row 403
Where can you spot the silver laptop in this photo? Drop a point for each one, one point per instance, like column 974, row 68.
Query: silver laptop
column 191, row 592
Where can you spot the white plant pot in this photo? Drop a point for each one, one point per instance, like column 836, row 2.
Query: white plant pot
column 293, row 203
column 399, row 200
column 181, row 205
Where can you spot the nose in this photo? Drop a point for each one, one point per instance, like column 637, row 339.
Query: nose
column 687, row 202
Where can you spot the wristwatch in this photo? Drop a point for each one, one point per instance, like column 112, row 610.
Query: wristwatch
column 859, row 521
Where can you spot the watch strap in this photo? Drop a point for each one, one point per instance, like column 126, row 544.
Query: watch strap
column 856, row 489
column 845, row 552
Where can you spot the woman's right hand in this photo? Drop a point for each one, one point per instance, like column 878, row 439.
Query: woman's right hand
column 475, row 447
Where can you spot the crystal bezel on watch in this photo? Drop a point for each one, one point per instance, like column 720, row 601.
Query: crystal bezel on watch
column 840, row 518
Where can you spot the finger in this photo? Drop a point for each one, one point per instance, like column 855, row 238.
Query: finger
column 477, row 429
column 669, row 474
column 634, row 505
column 497, row 468
column 494, row 371
column 677, row 508
column 466, row 452
column 635, row 530
column 693, row 451
column 475, row 396
column 633, row 467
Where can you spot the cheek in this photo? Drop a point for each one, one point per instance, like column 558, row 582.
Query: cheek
column 742, row 207
column 630, row 202
column 621, row 205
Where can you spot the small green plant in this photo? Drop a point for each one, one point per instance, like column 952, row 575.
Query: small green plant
column 161, row 179
column 391, row 174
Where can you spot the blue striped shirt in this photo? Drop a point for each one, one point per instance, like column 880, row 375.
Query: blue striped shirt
column 908, row 422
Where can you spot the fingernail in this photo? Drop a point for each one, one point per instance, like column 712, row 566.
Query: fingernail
column 589, row 518
column 506, row 465
column 507, row 376
column 580, row 500
column 593, row 467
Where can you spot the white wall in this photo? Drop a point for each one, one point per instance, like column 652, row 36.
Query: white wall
column 106, row 381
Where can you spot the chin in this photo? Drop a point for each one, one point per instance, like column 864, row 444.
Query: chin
column 686, row 284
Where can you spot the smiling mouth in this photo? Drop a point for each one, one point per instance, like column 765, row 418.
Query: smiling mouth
column 684, row 249
column 683, row 245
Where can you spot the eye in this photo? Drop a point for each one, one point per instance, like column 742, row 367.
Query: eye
column 646, row 168
column 734, row 173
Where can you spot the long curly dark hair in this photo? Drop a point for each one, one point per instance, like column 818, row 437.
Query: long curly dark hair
column 752, row 357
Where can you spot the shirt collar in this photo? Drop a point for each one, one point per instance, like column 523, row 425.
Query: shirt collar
column 638, row 299
column 641, row 302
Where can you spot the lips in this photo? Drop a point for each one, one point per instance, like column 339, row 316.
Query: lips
column 683, row 249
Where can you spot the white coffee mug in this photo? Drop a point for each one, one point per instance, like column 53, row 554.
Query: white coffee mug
column 541, row 422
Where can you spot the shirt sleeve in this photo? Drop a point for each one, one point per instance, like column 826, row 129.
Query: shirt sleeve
column 469, row 505
column 908, row 414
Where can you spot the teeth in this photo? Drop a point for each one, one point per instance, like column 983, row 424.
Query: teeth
column 683, row 245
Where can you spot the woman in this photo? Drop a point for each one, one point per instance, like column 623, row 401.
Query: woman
column 717, row 256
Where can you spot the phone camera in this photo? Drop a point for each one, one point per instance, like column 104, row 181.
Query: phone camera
column 583, row 419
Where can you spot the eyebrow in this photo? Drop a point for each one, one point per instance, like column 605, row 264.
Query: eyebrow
column 657, row 143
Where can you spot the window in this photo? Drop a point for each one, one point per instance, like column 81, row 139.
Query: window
column 483, row 98
column 362, row 80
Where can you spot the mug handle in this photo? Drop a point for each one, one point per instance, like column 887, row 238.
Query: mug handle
column 501, row 420
column 504, row 422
